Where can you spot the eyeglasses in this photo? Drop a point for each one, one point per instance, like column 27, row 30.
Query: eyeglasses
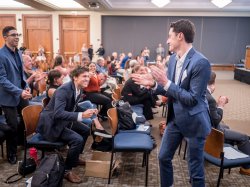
column 14, row 35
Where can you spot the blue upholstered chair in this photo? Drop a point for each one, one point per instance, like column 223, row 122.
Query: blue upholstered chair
column 128, row 142
column 214, row 153
column 31, row 116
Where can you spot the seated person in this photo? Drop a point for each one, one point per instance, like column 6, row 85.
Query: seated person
column 59, row 121
column 55, row 80
column 129, row 65
column 85, row 61
column 100, row 66
column 216, row 114
column 93, row 91
column 136, row 94
column 32, row 77
column 60, row 65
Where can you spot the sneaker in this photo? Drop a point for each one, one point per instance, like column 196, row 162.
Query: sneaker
column 102, row 133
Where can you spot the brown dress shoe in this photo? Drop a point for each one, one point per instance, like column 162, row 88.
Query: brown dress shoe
column 81, row 162
column 244, row 171
column 72, row 177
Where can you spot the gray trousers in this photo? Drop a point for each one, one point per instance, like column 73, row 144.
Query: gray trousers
column 242, row 140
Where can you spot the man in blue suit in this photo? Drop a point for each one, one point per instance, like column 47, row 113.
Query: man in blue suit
column 14, row 91
column 185, row 86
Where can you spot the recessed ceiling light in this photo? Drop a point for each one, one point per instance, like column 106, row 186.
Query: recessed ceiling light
column 64, row 3
column 160, row 3
column 221, row 3
column 13, row 4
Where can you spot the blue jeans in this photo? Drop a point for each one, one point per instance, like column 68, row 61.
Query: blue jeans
column 170, row 142
column 83, row 106
column 138, row 109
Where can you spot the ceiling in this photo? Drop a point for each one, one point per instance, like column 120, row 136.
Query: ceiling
column 138, row 5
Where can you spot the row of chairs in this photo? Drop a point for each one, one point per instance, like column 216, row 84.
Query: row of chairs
column 121, row 142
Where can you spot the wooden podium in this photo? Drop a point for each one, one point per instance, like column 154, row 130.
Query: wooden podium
column 247, row 58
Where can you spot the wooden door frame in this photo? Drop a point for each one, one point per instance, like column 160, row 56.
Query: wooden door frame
column 25, row 39
column 61, row 43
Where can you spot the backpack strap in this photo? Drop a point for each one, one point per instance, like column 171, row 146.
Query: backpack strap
column 9, row 181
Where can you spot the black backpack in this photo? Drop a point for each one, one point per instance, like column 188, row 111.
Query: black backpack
column 125, row 120
column 50, row 172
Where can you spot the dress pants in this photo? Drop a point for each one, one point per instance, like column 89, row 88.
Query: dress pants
column 75, row 143
column 242, row 140
column 83, row 130
column 17, row 129
column 170, row 142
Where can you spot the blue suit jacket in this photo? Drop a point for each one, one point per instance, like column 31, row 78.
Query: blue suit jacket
column 11, row 81
column 187, row 103
column 59, row 113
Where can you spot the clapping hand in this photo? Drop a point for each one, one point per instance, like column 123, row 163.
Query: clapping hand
column 222, row 101
column 26, row 94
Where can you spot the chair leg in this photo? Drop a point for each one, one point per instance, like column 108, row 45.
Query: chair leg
column 185, row 150
column 43, row 153
column 220, row 176
column 147, row 158
column 179, row 152
column 229, row 170
column 144, row 160
column 110, row 167
column 166, row 109
column 163, row 109
column 2, row 149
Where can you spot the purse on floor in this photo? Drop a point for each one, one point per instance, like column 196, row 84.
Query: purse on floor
column 24, row 168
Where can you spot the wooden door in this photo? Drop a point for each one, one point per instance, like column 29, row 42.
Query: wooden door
column 38, row 31
column 74, row 31
column 6, row 20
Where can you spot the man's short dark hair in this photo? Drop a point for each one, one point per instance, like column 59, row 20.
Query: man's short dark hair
column 212, row 78
column 7, row 29
column 186, row 27
column 78, row 71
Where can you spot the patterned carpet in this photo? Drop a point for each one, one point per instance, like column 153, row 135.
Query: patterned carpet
column 131, row 174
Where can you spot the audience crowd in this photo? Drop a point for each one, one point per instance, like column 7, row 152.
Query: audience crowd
column 77, row 91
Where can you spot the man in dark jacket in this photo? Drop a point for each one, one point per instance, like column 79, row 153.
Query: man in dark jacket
column 60, row 121
column 216, row 114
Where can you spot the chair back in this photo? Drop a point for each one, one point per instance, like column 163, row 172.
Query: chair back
column 115, row 97
column 214, row 143
column 30, row 117
column 121, row 87
column 117, row 91
column 113, row 120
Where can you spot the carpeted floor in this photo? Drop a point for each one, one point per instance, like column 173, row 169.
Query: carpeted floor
column 131, row 174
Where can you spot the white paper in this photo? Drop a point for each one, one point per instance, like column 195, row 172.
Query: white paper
column 142, row 127
column 231, row 153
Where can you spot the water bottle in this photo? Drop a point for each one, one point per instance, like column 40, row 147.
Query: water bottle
column 33, row 153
